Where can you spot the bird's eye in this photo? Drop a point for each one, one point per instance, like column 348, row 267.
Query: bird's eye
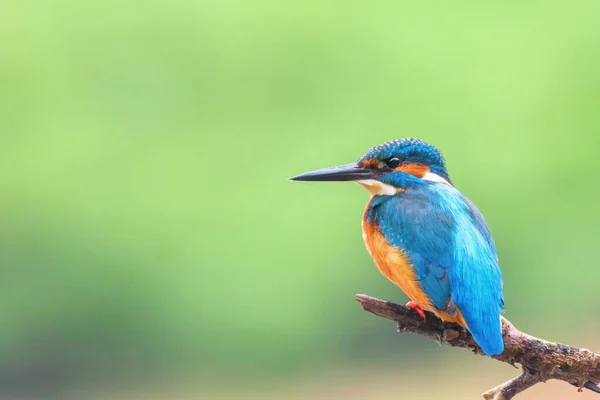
column 393, row 162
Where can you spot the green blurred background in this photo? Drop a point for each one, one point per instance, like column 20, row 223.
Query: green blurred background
column 151, row 246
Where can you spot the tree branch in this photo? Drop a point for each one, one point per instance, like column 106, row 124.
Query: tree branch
column 541, row 360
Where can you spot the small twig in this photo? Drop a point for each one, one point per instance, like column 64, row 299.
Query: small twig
column 510, row 389
column 541, row 360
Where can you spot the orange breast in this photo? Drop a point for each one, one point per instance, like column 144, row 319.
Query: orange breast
column 396, row 266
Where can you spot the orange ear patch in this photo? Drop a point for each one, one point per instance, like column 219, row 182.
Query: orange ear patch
column 417, row 170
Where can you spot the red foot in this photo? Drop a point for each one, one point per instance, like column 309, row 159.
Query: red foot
column 415, row 306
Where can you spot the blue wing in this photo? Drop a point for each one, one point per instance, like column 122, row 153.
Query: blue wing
column 414, row 223
column 453, row 254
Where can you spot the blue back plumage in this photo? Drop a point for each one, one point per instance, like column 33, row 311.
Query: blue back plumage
column 451, row 249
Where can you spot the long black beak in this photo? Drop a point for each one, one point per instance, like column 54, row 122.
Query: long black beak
column 350, row 172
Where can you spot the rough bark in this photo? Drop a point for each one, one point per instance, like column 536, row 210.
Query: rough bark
column 540, row 360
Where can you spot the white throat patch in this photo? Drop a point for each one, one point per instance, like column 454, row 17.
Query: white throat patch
column 378, row 188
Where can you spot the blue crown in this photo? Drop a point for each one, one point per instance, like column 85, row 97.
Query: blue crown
column 411, row 151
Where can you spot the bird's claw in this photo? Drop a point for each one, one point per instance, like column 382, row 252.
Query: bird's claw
column 417, row 308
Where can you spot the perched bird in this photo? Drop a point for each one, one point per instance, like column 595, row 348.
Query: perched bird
column 426, row 237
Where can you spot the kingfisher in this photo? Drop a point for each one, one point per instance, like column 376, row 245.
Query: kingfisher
column 426, row 237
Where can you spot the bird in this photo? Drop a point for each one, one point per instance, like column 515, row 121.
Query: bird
column 426, row 237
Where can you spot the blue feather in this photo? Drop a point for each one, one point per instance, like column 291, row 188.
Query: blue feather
column 452, row 251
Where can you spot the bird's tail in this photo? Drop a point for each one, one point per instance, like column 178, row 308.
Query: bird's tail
column 490, row 342
column 487, row 332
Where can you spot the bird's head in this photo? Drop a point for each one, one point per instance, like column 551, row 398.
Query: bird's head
column 389, row 168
